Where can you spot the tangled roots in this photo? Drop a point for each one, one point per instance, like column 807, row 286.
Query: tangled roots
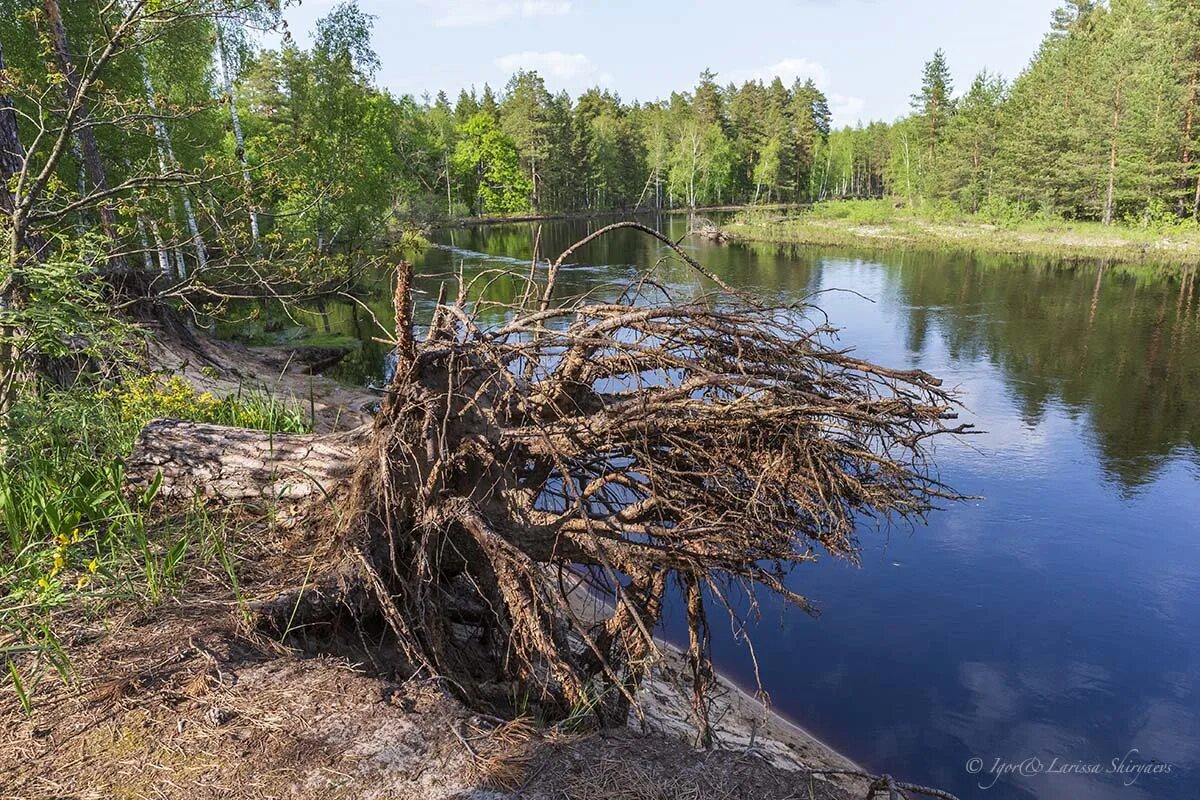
column 627, row 448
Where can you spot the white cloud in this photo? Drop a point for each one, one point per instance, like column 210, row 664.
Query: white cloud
column 846, row 109
column 469, row 13
column 563, row 70
column 787, row 70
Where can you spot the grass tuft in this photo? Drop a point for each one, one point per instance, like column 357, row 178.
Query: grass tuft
column 70, row 535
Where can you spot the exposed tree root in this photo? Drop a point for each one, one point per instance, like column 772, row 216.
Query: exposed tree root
column 637, row 447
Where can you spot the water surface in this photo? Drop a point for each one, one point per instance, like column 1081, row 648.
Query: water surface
column 1056, row 618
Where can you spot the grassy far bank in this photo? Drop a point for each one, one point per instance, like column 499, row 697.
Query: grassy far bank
column 889, row 224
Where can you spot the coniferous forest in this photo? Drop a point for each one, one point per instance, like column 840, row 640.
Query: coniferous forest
column 1102, row 125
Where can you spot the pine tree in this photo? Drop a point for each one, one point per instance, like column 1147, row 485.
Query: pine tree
column 972, row 141
column 933, row 107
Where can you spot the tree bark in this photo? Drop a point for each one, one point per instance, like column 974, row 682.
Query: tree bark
column 1112, row 160
column 240, row 466
column 12, row 161
column 84, row 134
column 1196, row 207
column 167, row 161
column 238, row 137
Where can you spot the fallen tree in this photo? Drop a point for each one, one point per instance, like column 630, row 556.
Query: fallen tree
column 637, row 446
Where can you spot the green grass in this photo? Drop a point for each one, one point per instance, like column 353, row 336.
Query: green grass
column 71, row 538
column 998, row 228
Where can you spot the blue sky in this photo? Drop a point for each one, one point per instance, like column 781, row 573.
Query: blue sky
column 865, row 54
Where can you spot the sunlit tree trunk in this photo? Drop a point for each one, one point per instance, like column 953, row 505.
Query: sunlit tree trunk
column 1196, row 202
column 238, row 137
column 164, row 257
column 167, row 162
column 144, row 239
column 1112, row 163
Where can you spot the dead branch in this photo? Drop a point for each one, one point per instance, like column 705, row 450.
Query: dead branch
column 647, row 445
column 644, row 449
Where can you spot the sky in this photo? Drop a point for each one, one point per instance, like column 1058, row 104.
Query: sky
column 866, row 55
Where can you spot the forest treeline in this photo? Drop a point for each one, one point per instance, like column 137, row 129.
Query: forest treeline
column 1101, row 125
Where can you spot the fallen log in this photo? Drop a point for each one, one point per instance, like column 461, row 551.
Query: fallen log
column 713, row 234
column 236, row 466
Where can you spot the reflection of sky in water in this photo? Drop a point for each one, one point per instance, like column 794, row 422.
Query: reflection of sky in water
column 1055, row 617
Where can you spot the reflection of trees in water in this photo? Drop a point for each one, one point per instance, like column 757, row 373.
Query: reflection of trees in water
column 1118, row 343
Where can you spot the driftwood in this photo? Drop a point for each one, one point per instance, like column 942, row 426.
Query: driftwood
column 713, row 234
column 707, row 229
column 644, row 446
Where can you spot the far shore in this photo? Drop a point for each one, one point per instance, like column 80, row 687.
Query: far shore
column 879, row 225
column 832, row 226
column 473, row 222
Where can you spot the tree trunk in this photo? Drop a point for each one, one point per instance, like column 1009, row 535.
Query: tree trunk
column 167, row 162
column 144, row 240
column 1196, row 207
column 164, row 256
column 12, row 159
column 240, row 466
column 84, row 134
column 1112, row 160
column 238, row 137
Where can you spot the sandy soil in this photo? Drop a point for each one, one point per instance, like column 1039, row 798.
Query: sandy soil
column 180, row 701
column 183, row 700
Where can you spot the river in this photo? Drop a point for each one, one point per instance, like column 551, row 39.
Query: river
column 1053, row 619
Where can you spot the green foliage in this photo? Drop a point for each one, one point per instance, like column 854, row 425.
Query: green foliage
column 857, row 212
column 997, row 210
column 489, row 156
column 70, row 534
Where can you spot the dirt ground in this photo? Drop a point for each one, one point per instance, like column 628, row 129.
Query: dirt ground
column 177, row 702
column 186, row 700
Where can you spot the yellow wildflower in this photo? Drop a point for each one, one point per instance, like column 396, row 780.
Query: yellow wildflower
column 93, row 565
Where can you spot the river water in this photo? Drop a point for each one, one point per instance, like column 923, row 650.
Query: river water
column 1051, row 625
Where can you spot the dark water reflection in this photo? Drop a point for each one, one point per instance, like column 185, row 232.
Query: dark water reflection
column 1057, row 618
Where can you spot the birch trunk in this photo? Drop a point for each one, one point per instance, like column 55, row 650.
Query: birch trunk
column 238, row 137
column 167, row 162
column 144, row 239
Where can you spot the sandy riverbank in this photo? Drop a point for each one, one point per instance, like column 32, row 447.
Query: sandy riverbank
column 181, row 700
